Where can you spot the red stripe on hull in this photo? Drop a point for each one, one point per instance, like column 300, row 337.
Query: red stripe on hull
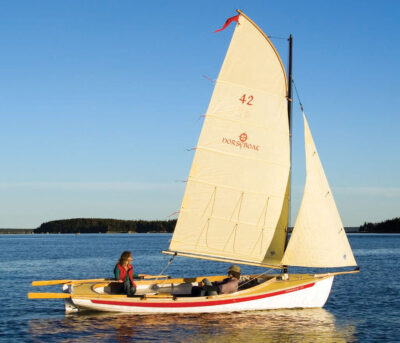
column 201, row 303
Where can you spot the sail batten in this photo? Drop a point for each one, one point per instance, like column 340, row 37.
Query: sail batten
column 266, row 128
column 318, row 238
column 229, row 187
column 263, row 91
column 242, row 158
column 235, row 222
column 245, row 157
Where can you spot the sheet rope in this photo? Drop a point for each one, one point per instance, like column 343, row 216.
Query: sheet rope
column 254, row 278
column 167, row 265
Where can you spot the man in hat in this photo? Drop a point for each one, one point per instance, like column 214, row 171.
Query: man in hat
column 226, row 286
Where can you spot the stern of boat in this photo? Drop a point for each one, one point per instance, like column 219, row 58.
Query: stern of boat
column 68, row 304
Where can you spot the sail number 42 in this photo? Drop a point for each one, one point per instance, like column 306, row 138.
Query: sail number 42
column 246, row 100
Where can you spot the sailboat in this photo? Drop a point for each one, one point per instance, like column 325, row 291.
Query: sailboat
column 236, row 203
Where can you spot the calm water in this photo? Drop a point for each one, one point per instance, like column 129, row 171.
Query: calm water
column 362, row 308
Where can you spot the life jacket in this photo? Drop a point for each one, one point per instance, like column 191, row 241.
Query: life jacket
column 122, row 274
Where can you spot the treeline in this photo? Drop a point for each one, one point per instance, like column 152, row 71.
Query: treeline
column 92, row 225
column 387, row 226
column 16, row 231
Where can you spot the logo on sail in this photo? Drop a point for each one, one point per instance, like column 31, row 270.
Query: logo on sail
column 241, row 143
column 243, row 137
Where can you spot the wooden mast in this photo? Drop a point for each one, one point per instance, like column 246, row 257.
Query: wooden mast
column 289, row 103
column 290, row 90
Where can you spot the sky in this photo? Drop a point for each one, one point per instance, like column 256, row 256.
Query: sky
column 101, row 100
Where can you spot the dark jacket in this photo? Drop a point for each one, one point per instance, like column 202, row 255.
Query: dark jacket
column 228, row 285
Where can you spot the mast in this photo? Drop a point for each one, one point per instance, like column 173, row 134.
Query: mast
column 290, row 90
column 289, row 102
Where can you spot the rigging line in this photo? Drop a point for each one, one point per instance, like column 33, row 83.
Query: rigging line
column 209, row 78
column 276, row 37
column 251, row 279
column 172, row 214
column 298, row 97
column 165, row 268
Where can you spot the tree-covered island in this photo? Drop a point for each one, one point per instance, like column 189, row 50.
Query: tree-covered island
column 93, row 225
column 96, row 225
column 387, row 226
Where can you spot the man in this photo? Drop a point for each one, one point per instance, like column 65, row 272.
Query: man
column 226, row 286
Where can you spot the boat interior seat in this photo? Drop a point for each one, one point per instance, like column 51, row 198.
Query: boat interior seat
column 245, row 283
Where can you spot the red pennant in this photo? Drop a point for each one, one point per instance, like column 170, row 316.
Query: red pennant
column 228, row 21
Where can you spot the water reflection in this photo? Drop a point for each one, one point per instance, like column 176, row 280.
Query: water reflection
column 309, row 325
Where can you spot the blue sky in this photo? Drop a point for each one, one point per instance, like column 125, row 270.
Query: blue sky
column 99, row 101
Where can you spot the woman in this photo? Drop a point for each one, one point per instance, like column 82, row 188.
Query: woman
column 123, row 273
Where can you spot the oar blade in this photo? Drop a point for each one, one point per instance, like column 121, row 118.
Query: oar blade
column 49, row 282
column 60, row 282
column 48, row 295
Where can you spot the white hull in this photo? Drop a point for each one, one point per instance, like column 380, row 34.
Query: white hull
column 310, row 295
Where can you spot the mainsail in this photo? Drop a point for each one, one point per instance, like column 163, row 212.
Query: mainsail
column 318, row 238
column 235, row 205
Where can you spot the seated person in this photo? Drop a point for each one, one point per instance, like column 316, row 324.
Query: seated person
column 228, row 285
column 123, row 273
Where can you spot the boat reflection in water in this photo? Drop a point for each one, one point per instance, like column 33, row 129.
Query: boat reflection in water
column 306, row 325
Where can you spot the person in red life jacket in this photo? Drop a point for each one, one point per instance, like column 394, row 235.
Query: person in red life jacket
column 123, row 273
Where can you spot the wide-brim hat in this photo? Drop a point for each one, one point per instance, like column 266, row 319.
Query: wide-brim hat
column 234, row 268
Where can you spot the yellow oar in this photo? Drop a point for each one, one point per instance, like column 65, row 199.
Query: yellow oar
column 48, row 295
column 59, row 282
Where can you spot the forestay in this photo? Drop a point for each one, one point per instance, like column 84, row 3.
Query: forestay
column 235, row 205
column 318, row 238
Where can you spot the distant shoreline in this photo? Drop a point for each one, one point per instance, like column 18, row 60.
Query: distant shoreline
column 101, row 225
column 32, row 232
column 17, row 231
